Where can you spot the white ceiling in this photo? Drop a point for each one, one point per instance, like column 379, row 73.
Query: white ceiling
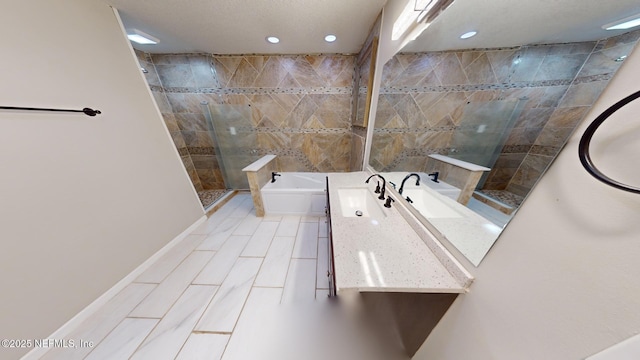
column 240, row 26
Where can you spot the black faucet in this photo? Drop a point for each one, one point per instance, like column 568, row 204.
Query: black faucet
column 273, row 176
column 389, row 201
column 406, row 178
column 435, row 176
column 384, row 183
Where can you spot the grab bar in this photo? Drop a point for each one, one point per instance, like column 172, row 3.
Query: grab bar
column 86, row 111
column 583, row 148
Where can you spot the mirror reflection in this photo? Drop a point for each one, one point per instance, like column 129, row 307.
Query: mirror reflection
column 488, row 122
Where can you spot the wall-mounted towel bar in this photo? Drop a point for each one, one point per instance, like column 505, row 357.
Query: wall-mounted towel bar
column 87, row 111
column 583, row 148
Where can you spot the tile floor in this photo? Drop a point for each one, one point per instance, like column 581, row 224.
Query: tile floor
column 209, row 197
column 238, row 287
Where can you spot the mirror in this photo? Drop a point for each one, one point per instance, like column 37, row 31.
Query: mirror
column 488, row 121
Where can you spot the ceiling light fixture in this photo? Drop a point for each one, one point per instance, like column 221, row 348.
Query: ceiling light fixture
column 273, row 39
column 330, row 38
column 142, row 38
column 468, row 34
column 623, row 24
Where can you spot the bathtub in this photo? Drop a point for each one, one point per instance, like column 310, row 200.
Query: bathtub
column 295, row 193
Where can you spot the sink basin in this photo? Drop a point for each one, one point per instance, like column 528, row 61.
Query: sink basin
column 359, row 202
column 429, row 205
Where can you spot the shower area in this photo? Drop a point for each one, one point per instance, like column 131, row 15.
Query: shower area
column 214, row 140
column 232, row 142
column 479, row 139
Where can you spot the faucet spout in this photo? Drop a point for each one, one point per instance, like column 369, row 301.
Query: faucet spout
column 384, row 183
column 407, row 178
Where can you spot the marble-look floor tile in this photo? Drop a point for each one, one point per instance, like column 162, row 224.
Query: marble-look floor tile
column 306, row 241
column 225, row 308
column 166, row 340
column 98, row 325
column 123, row 340
column 220, row 215
column 211, row 224
column 244, row 208
column 260, row 304
column 203, row 347
column 322, row 281
column 272, row 218
column 288, row 226
column 248, row 225
column 261, row 239
column 301, row 281
column 273, row 272
column 217, row 269
column 220, row 234
column 163, row 297
column 169, row 261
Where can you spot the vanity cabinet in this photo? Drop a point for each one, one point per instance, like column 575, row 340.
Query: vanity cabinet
column 331, row 272
column 387, row 261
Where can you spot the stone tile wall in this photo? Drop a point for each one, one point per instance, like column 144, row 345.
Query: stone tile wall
column 301, row 106
column 423, row 97
column 154, row 81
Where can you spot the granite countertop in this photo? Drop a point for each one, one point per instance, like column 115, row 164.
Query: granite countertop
column 385, row 254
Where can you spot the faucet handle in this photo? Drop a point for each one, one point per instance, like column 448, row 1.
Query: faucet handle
column 389, row 201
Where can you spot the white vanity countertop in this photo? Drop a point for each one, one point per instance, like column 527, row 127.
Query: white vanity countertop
column 384, row 256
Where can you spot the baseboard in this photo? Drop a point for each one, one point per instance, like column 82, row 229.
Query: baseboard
column 65, row 330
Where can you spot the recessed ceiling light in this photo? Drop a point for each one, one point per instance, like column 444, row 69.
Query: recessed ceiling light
column 623, row 24
column 330, row 38
column 142, row 38
column 468, row 34
column 273, row 39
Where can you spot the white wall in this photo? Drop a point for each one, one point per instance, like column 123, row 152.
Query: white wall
column 562, row 282
column 83, row 201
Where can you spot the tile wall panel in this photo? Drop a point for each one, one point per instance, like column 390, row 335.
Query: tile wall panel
column 300, row 107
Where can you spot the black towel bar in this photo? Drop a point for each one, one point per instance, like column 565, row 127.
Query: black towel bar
column 86, row 111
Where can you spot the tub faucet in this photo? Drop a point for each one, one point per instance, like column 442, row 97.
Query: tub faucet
column 273, row 176
column 435, row 176
column 384, row 183
column 407, row 178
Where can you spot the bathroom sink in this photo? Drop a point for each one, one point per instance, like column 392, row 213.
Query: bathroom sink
column 360, row 202
column 429, row 205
